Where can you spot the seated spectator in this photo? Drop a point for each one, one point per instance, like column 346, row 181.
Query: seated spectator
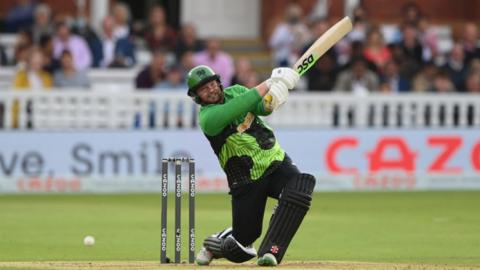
column 251, row 79
column 20, row 16
column 174, row 81
column 317, row 28
column 375, row 50
column 33, row 77
column 323, row 75
column 408, row 54
column 455, row 66
column 67, row 76
column 23, row 43
column 187, row 62
column 188, row 41
column 21, row 57
column 429, row 40
column 82, row 28
column 472, row 83
column 121, row 17
column 354, row 51
column 411, row 45
column 474, row 66
column 344, row 50
column 347, row 48
column 442, row 83
column 299, row 29
column 116, row 52
column 360, row 25
column 46, row 45
column 154, row 73
column 357, row 79
column 393, row 78
column 470, row 42
column 289, row 36
column 42, row 25
column 220, row 61
column 423, row 81
column 64, row 40
column 80, row 23
column 158, row 34
column 411, row 14
column 242, row 69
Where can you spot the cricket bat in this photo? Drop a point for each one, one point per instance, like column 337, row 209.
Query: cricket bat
column 320, row 47
column 322, row 44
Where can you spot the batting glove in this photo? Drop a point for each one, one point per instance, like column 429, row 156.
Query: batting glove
column 276, row 96
column 286, row 75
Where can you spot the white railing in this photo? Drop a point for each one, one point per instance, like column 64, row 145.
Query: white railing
column 117, row 79
column 91, row 110
column 379, row 110
column 70, row 109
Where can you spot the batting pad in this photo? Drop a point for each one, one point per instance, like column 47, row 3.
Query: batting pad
column 293, row 204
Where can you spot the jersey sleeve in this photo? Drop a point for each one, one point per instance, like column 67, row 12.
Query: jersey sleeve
column 214, row 118
column 259, row 108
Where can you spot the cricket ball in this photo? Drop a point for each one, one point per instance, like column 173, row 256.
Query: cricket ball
column 89, row 241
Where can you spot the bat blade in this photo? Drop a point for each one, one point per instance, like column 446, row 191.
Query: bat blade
column 322, row 45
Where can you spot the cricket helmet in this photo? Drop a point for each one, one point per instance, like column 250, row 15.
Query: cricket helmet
column 199, row 76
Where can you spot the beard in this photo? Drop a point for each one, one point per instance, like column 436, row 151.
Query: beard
column 215, row 97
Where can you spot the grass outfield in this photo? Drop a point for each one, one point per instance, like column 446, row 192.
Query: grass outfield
column 433, row 228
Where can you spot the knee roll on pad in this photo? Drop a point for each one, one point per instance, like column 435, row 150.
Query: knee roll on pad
column 293, row 205
column 303, row 183
column 299, row 191
column 236, row 252
column 296, row 198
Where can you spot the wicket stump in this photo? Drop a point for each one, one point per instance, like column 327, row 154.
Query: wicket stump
column 178, row 200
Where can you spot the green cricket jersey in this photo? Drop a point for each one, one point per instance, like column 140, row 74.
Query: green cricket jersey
column 245, row 146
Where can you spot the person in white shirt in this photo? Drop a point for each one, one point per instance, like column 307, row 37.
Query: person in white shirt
column 289, row 36
column 121, row 16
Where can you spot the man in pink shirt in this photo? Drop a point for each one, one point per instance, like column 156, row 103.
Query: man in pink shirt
column 64, row 40
column 216, row 59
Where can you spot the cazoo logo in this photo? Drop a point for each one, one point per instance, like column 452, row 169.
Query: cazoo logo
column 305, row 64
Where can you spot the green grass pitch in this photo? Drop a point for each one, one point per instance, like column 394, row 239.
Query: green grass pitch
column 441, row 228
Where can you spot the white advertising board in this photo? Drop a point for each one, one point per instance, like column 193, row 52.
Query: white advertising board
column 130, row 161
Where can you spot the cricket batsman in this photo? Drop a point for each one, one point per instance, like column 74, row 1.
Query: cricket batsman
column 255, row 164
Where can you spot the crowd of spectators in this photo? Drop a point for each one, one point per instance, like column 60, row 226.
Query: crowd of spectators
column 66, row 47
column 57, row 50
column 410, row 60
